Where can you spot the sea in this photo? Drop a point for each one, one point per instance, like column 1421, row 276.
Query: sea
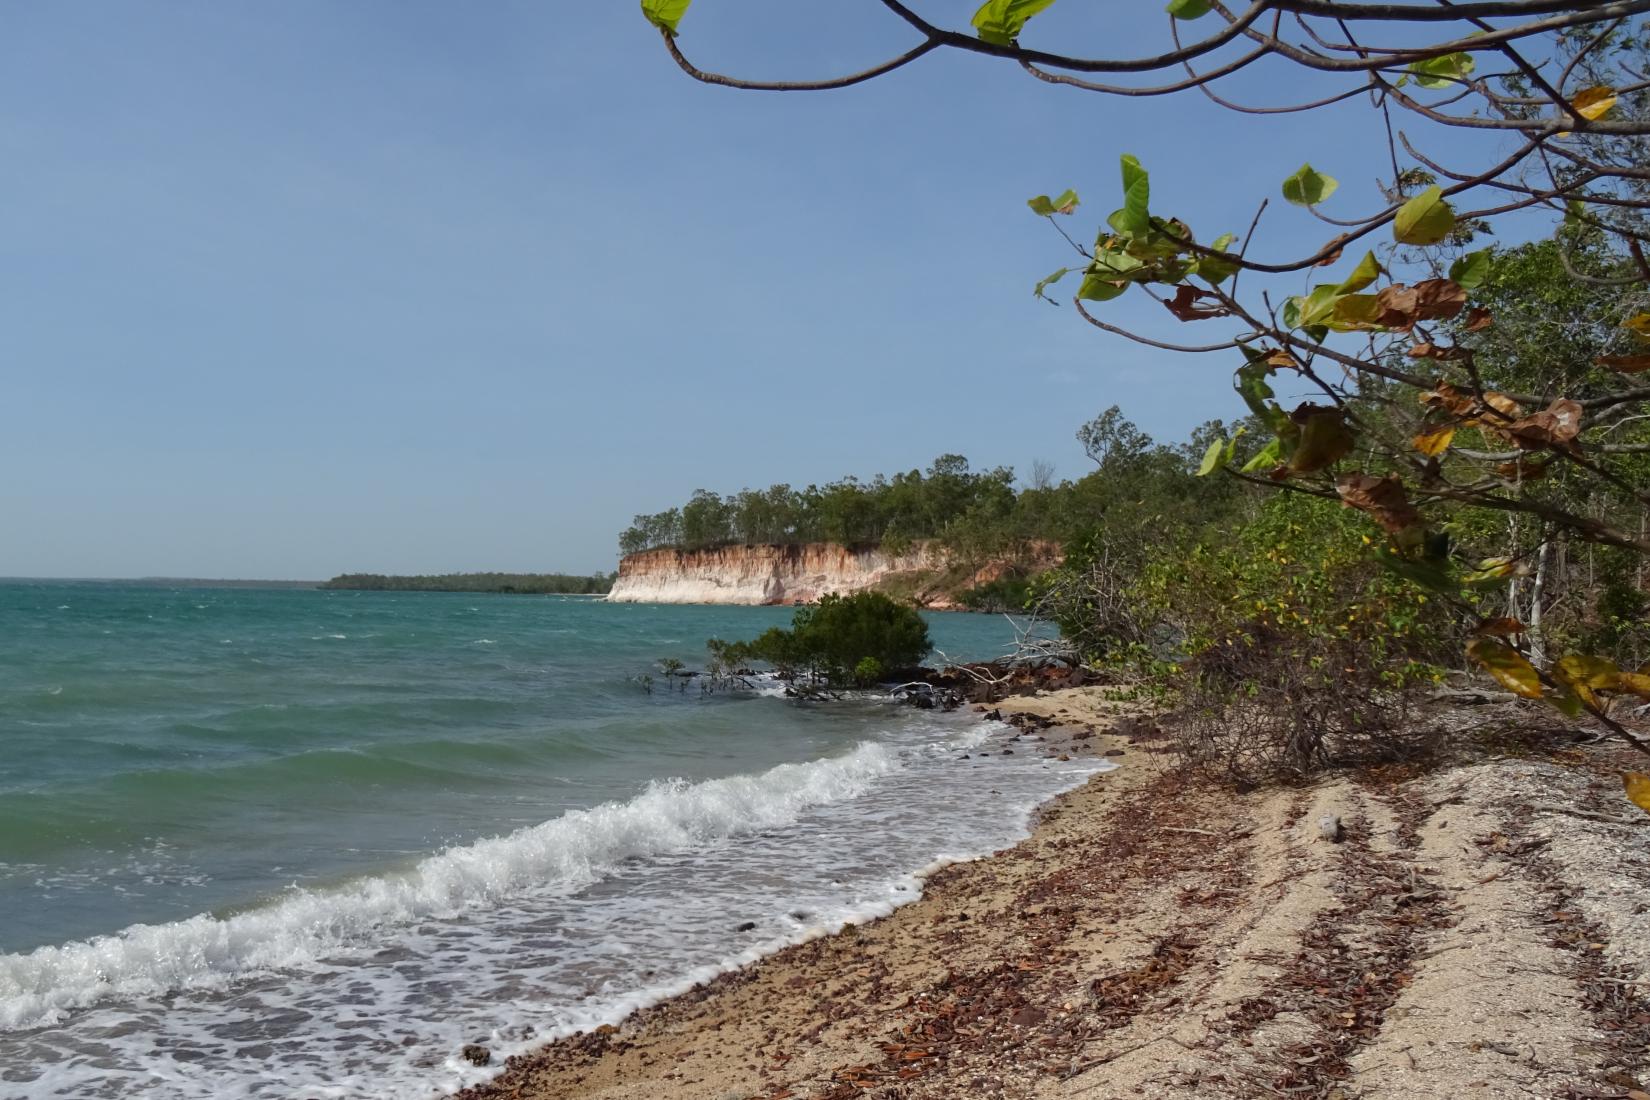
column 304, row 843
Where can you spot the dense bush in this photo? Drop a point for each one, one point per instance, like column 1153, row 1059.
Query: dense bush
column 839, row 641
column 1280, row 640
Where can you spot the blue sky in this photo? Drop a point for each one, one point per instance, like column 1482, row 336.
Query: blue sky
column 294, row 289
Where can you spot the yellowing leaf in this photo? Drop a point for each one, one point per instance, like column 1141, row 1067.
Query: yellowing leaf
column 1595, row 672
column 1211, row 458
column 1367, row 271
column 1639, row 325
column 1507, row 666
column 1637, row 786
column 665, row 14
column 1636, row 682
column 1592, row 103
column 1425, row 219
column 1586, row 675
column 1433, row 442
column 1001, row 21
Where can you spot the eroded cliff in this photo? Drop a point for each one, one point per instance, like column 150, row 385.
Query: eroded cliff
column 793, row 574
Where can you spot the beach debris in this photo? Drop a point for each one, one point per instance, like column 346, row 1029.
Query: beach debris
column 476, row 1054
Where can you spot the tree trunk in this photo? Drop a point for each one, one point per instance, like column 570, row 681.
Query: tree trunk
column 1538, row 645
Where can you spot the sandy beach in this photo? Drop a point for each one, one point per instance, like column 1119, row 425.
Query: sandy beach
column 1476, row 931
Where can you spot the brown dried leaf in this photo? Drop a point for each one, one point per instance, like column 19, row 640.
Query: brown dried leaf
column 1324, row 439
column 1479, row 319
column 1439, row 298
column 1433, row 351
column 1450, row 398
column 1524, row 469
column 1555, row 426
column 1503, row 627
column 1184, row 304
column 1625, row 364
column 1383, row 498
column 1398, row 306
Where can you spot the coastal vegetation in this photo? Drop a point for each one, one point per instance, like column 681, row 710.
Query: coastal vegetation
column 977, row 516
column 1446, row 458
column 841, row 641
column 521, row 583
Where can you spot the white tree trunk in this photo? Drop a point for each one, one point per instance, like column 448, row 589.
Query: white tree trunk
column 1538, row 645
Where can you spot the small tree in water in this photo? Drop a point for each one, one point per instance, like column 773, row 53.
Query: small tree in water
column 840, row 641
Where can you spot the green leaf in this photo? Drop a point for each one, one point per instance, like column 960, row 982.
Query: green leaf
column 665, row 14
column 1250, row 383
column 1356, row 313
column 1265, row 458
column 1217, row 269
column 1001, row 21
column 1446, row 71
column 1063, row 203
column 1134, row 217
column 1565, row 702
column 1314, row 309
column 1211, row 458
column 1425, row 219
column 1291, row 313
column 1111, row 263
column 1097, row 289
column 1362, row 276
column 1472, row 269
column 1308, row 187
column 1188, row 9
column 1433, row 575
column 1044, row 284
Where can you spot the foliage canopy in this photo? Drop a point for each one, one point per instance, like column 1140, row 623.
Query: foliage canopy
column 1451, row 398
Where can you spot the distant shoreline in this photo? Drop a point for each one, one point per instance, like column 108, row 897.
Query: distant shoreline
column 167, row 582
column 529, row 584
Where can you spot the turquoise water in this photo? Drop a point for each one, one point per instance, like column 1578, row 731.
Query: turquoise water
column 451, row 817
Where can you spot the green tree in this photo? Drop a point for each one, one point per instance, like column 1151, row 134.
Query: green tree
column 840, row 641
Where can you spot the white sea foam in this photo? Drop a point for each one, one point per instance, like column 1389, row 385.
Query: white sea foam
column 567, row 853
column 374, row 989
